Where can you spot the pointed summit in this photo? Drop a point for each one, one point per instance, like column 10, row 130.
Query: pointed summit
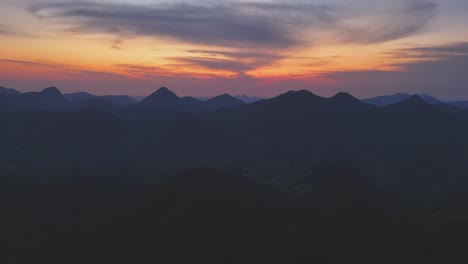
column 163, row 98
column 414, row 100
column 164, row 92
column 414, row 104
column 344, row 97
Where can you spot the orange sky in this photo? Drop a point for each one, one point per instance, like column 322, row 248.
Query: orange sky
column 94, row 46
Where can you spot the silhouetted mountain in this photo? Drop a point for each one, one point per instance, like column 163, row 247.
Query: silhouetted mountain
column 223, row 101
column 299, row 101
column 430, row 99
column 7, row 97
column 78, row 97
column 297, row 179
column 345, row 99
column 162, row 98
column 167, row 100
column 118, row 100
column 8, row 91
column 396, row 98
column 412, row 104
column 49, row 99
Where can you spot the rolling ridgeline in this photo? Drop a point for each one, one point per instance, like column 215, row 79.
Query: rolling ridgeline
column 293, row 179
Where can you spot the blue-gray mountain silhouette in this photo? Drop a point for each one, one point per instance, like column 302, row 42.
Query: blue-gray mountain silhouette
column 8, row 91
column 396, row 98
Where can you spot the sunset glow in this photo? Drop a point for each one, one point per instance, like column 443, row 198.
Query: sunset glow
column 259, row 48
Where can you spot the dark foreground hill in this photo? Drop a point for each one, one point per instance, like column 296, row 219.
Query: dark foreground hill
column 325, row 215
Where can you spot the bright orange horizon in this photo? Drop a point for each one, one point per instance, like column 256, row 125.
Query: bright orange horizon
column 258, row 48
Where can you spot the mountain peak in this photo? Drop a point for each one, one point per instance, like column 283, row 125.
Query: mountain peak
column 416, row 99
column 224, row 96
column 344, row 96
column 413, row 102
column 300, row 92
column 162, row 96
column 297, row 95
column 164, row 91
column 9, row 91
column 223, row 101
column 52, row 91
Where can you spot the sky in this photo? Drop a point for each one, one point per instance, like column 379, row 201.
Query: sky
column 260, row 48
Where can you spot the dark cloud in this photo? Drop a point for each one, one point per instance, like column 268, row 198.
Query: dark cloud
column 252, row 25
column 452, row 49
column 217, row 24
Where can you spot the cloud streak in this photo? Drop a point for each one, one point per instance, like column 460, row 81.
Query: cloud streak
column 60, row 68
column 439, row 70
column 243, row 25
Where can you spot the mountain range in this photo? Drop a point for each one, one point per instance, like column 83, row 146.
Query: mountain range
column 395, row 98
column 287, row 133
column 53, row 100
column 297, row 178
column 189, row 104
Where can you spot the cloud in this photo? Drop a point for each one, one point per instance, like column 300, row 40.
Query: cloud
column 214, row 24
column 60, row 68
column 9, row 31
column 445, row 50
column 439, row 70
column 273, row 25
column 388, row 23
column 234, row 61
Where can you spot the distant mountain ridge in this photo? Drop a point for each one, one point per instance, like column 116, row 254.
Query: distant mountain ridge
column 119, row 100
column 8, row 91
column 165, row 99
column 270, row 137
column 396, row 98
column 48, row 99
